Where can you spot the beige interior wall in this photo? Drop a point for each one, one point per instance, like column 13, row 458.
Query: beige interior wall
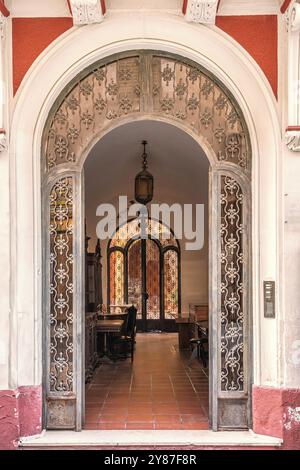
column 180, row 171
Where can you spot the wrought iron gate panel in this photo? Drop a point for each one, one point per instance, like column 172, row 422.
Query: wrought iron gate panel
column 233, row 385
column 113, row 91
column 232, row 286
column 61, row 400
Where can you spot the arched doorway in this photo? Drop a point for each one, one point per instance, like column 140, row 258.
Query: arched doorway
column 146, row 273
column 145, row 85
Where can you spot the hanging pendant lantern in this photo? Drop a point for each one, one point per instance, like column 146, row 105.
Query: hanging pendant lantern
column 144, row 181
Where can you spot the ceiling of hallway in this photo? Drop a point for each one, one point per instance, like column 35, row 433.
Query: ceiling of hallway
column 178, row 164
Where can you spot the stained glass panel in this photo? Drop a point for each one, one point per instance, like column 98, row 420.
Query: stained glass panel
column 154, row 229
column 171, row 283
column 116, row 264
column 135, row 276
column 152, row 276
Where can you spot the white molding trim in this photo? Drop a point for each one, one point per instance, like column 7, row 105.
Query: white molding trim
column 292, row 17
column 201, row 11
column 86, row 12
column 3, row 21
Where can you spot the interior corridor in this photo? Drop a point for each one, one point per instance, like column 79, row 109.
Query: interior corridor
column 160, row 390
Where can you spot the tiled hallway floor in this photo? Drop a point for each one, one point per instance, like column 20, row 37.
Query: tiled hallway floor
column 158, row 391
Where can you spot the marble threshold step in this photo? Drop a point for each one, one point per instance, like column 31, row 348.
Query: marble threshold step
column 139, row 439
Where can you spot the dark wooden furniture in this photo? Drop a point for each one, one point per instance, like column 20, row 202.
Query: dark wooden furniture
column 93, row 278
column 121, row 344
column 93, row 297
column 106, row 327
column 184, row 332
column 91, row 354
column 200, row 343
column 198, row 311
column 187, row 328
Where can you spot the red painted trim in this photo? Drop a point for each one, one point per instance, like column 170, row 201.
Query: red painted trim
column 285, row 5
column 293, row 128
column 103, row 6
column 30, row 38
column 5, row 12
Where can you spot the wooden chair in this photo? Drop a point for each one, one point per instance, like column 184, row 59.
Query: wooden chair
column 200, row 347
column 121, row 344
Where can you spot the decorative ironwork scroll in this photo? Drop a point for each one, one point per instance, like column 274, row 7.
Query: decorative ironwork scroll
column 61, row 318
column 232, row 286
column 146, row 83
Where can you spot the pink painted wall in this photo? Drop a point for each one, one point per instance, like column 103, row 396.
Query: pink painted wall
column 276, row 412
column 20, row 415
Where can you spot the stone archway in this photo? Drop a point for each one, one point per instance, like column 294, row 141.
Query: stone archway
column 144, row 85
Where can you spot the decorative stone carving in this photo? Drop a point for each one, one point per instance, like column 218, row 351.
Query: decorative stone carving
column 294, row 17
column 3, row 142
column 2, row 25
column 292, row 138
column 201, row 11
column 86, row 11
column 180, row 91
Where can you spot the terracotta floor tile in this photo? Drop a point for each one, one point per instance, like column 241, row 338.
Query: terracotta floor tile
column 167, row 426
column 125, row 395
column 137, row 426
column 140, row 418
column 168, row 418
column 200, row 425
column 113, row 426
column 193, row 418
column 112, row 418
column 91, row 426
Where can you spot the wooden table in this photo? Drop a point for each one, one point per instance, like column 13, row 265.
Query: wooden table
column 185, row 330
column 112, row 316
column 122, row 308
column 108, row 326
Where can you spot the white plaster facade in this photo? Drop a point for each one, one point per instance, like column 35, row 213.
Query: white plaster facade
column 275, row 244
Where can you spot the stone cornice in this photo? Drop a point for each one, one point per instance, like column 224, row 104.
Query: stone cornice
column 200, row 11
column 87, row 11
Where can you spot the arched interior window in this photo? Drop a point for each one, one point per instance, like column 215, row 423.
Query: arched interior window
column 144, row 270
